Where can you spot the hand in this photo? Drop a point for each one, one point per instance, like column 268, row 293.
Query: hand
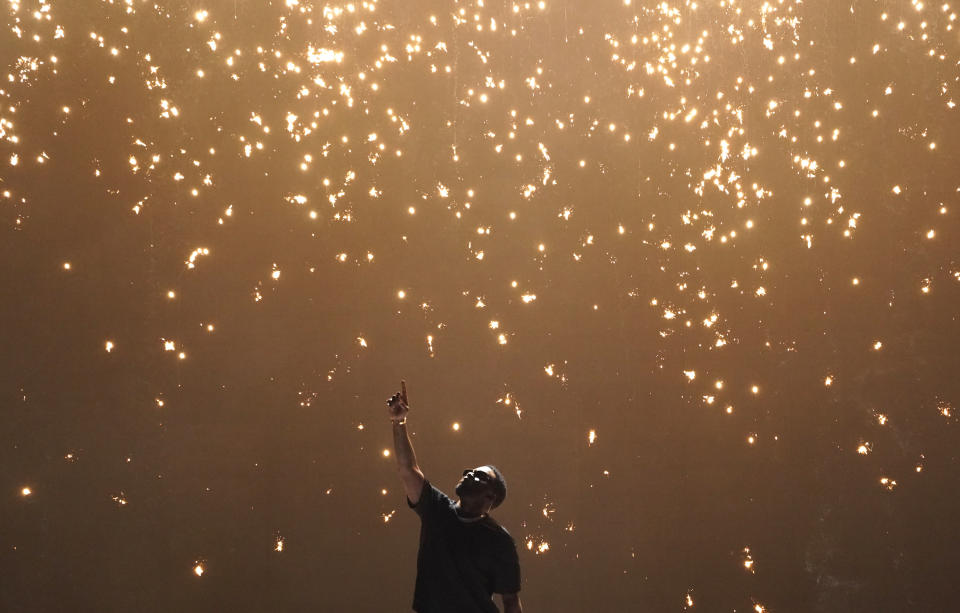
column 397, row 404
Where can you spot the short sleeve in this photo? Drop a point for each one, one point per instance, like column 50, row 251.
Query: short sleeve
column 507, row 572
column 432, row 502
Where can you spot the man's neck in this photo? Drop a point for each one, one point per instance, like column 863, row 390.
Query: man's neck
column 464, row 514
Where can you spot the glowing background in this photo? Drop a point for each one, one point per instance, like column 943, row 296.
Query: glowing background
column 686, row 272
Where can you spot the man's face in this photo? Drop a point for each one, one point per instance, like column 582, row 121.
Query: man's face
column 476, row 482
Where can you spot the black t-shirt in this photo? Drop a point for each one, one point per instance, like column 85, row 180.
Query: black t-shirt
column 460, row 564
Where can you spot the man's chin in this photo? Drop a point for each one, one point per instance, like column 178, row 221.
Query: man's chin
column 463, row 488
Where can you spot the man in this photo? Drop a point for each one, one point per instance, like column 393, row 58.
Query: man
column 465, row 556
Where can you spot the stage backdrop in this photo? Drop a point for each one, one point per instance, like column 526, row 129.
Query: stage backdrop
column 686, row 272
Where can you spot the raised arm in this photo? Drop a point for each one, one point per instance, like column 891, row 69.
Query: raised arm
column 410, row 472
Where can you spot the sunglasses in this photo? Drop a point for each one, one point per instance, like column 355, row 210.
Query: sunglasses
column 479, row 474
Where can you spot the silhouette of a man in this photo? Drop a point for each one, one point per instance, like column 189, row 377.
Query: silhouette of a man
column 465, row 556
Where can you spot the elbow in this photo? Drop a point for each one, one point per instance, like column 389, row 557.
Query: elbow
column 511, row 603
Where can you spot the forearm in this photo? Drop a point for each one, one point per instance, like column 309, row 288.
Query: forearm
column 512, row 606
column 402, row 447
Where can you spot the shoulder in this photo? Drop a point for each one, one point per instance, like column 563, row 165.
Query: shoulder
column 431, row 497
column 499, row 530
column 438, row 495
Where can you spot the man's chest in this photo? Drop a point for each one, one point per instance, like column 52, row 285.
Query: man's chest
column 465, row 544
